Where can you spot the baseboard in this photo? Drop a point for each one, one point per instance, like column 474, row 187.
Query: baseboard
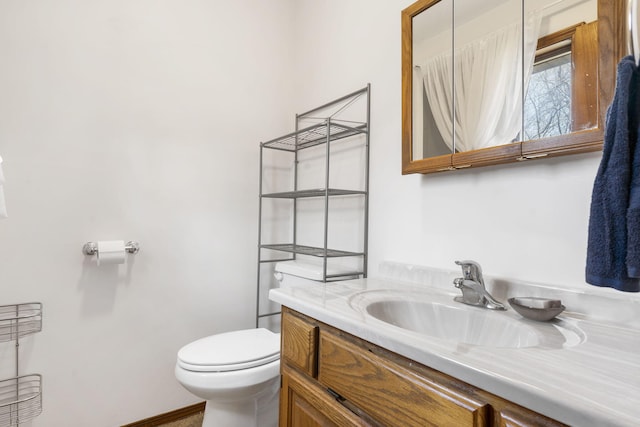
column 168, row 417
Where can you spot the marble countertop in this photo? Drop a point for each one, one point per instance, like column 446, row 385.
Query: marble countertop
column 591, row 378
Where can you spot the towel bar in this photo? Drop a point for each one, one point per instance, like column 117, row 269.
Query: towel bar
column 633, row 42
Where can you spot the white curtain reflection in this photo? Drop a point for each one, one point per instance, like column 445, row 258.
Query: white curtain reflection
column 418, row 113
column 488, row 87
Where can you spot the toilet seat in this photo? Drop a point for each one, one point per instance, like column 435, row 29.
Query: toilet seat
column 231, row 351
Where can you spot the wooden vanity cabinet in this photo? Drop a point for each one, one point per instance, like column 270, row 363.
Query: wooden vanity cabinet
column 331, row 378
column 303, row 401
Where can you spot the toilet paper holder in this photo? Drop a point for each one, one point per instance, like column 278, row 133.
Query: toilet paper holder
column 91, row 248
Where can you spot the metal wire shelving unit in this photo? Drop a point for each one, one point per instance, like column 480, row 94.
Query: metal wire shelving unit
column 21, row 395
column 328, row 130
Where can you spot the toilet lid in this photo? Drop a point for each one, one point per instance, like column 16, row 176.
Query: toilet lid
column 231, row 351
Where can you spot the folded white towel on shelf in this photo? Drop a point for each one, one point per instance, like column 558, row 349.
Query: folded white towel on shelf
column 3, row 207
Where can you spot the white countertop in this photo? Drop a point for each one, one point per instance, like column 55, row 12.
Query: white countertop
column 590, row 379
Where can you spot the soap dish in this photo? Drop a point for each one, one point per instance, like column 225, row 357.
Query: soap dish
column 541, row 309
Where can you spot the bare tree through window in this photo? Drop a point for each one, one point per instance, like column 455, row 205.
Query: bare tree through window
column 547, row 106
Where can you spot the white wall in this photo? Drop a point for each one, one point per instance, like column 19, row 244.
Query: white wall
column 133, row 120
column 526, row 220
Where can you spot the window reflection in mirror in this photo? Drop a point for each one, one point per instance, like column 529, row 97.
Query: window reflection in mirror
column 547, row 106
column 562, row 91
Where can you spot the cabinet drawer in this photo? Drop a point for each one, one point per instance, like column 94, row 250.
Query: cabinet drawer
column 390, row 393
column 299, row 343
column 306, row 404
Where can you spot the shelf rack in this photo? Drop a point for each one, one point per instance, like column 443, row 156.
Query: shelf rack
column 329, row 128
column 314, row 135
column 312, row 193
column 21, row 395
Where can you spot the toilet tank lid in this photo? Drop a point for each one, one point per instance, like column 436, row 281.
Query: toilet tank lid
column 309, row 270
column 236, row 350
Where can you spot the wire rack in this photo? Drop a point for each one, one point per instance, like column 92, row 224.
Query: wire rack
column 20, row 399
column 20, row 396
column 315, row 135
column 310, row 250
column 19, row 320
column 312, row 193
column 347, row 119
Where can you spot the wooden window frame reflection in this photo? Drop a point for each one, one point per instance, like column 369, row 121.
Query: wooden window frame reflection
column 584, row 69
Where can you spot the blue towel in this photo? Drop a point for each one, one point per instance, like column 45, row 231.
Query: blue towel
column 613, row 251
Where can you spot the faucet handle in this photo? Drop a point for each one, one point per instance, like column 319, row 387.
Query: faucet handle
column 471, row 269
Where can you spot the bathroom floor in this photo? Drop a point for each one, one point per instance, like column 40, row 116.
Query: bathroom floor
column 192, row 421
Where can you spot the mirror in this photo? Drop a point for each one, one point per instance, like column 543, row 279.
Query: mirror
column 500, row 81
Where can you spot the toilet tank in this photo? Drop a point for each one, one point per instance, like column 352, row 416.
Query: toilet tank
column 300, row 273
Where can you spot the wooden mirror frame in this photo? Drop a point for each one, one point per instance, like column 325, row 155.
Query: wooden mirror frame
column 611, row 48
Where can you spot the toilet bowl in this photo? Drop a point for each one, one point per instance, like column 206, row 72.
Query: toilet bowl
column 238, row 373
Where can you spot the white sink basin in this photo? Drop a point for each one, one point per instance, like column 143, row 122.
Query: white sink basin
column 441, row 318
column 454, row 324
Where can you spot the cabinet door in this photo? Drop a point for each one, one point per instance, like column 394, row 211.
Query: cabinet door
column 303, row 414
column 391, row 393
column 299, row 343
column 303, row 403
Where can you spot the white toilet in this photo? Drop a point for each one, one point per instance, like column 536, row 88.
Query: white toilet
column 238, row 372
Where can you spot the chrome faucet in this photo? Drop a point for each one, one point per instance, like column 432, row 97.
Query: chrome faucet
column 472, row 287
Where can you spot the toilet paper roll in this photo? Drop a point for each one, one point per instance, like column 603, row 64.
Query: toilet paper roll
column 111, row 252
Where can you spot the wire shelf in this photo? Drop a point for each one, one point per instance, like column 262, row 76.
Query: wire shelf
column 309, row 250
column 20, row 399
column 19, row 320
column 314, row 135
column 319, row 192
column 347, row 119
